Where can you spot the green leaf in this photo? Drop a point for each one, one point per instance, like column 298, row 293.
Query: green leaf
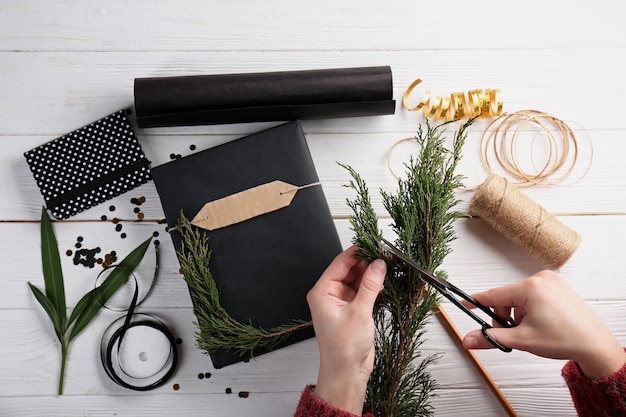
column 82, row 305
column 49, row 308
column 89, row 306
column 53, row 301
column 52, row 273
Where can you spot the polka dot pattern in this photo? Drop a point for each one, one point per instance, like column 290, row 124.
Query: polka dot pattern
column 89, row 165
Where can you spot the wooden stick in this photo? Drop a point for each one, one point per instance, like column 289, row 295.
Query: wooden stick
column 453, row 331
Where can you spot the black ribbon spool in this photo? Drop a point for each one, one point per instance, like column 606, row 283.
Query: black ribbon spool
column 112, row 348
column 111, row 352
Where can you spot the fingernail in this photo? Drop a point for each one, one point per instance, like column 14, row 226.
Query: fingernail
column 379, row 266
column 470, row 342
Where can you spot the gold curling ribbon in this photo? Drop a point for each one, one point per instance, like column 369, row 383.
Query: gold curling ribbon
column 478, row 102
column 458, row 104
column 405, row 98
column 428, row 110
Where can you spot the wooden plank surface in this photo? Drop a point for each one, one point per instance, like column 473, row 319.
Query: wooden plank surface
column 65, row 64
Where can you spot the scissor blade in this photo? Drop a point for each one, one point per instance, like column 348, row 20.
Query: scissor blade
column 426, row 274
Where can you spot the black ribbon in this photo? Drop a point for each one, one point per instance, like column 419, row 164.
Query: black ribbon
column 113, row 337
column 110, row 349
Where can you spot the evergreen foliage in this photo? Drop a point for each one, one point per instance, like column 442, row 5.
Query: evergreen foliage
column 422, row 213
column 217, row 330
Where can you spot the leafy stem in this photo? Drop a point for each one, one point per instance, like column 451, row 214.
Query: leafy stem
column 64, row 351
column 53, row 300
column 422, row 212
column 217, row 329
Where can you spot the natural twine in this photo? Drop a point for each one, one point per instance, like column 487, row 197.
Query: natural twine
column 523, row 221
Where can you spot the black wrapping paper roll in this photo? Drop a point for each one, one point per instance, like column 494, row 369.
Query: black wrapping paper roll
column 261, row 97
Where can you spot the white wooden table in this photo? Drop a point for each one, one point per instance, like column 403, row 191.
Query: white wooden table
column 64, row 64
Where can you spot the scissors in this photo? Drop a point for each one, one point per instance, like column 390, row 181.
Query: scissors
column 452, row 292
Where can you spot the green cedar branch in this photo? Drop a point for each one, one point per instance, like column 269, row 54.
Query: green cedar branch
column 216, row 329
column 422, row 213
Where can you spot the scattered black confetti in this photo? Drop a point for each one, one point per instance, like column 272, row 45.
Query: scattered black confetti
column 155, row 234
column 111, row 208
column 136, row 210
column 157, row 242
column 86, row 257
column 104, row 218
column 192, row 147
column 123, row 235
column 229, row 391
column 179, row 341
column 200, row 375
column 138, row 201
column 244, row 394
column 118, row 228
column 207, row 374
column 110, row 258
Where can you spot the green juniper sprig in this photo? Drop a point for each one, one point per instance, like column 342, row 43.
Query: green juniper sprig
column 422, row 213
column 53, row 300
column 217, row 330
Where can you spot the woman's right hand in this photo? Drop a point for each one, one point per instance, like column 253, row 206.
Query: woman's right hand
column 553, row 322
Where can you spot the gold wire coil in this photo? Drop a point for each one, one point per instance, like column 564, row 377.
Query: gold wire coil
column 500, row 141
column 502, row 136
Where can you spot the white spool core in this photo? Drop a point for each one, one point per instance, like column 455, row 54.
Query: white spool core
column 144, row 351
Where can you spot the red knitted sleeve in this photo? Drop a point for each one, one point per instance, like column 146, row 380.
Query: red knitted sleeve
column 311, row 405
column 603, row 397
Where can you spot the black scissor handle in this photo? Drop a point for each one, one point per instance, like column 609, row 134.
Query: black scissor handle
column 494, row 341
column 484, row 325
column 509, row 322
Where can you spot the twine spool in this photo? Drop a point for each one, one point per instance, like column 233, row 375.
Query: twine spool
column 524, row 222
